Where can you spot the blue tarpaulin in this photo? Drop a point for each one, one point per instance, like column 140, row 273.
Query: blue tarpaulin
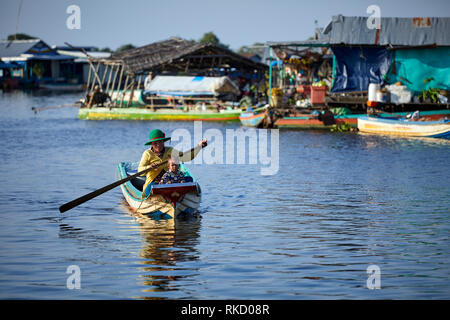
column 356, row 67
column 422, row 69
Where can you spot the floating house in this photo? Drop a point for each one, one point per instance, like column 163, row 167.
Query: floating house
column 80, row 62
column 127, row 72
column 8, row 82
column 34, row 63
column 37, row 60
column 409, row 50
column 408, row 58
column 413, row 52
column 174, row 79
column 177, row 55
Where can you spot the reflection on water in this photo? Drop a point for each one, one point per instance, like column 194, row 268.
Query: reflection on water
column 166, row 244
column 373, row 140
column 339, row 203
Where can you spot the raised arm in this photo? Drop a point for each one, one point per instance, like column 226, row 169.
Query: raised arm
column 188, row 156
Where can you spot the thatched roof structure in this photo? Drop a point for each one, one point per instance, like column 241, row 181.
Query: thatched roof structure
column 179, row 55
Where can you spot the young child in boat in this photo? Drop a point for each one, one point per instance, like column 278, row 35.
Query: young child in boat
column 174, row 175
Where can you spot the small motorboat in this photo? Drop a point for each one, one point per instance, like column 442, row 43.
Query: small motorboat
column 405, row 127
column 254, row 118
column 163, row 200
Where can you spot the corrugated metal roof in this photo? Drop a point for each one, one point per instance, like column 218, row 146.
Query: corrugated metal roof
column 306, row 43
column 82, row 55
column 393, row 31
column 16, row 48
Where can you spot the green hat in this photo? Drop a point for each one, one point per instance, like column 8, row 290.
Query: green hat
column 156, row 135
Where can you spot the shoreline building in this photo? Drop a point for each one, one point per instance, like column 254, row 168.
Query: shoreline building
column 35, row 64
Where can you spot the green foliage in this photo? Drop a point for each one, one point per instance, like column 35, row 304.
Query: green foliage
column 20, row 36
column 106, row 49
column 210, row 38
column 38, row 70
column 125, row 47
column 431, row 94
column 345, row 127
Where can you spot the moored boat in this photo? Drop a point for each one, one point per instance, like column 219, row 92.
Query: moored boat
column 307, row 121
column 254, row 118
column 166, row 200
column 404, row 127
column 61, row 86
column 157, row 114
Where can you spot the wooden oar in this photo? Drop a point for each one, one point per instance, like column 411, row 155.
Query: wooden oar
column 38, row 109
column 72, row 204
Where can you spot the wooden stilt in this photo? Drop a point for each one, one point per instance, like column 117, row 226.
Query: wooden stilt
column 139, row 82
column 124, row 91
column 119, row 84
column 88, row 81
column 130, row 101
column 96, row 76
column 105, row 71
column 114, row 82
column 109, row 78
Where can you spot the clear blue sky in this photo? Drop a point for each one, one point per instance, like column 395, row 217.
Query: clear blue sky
column 236, row 22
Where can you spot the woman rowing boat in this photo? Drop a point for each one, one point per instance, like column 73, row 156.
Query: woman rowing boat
column 158, row 153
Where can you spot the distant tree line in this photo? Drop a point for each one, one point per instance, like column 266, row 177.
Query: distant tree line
column 20, row 36
column 208, row 37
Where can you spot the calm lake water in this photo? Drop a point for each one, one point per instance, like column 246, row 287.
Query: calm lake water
column 339, row 203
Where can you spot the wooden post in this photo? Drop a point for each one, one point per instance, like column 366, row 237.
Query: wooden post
column 133, row 85
column 269, row 94
column 93, row 78
column 104, row 75
column 95, row 72
column 114, row 82
column 109, row 78
column 96, row 76
column 93, row 85
column 124, row 91
column 119, row 83
column 139, row 82
column 88, row 81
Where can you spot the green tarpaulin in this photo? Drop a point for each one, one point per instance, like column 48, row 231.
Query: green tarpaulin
column 421, row 69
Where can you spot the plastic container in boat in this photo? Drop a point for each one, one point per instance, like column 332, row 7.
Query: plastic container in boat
column 372, row 95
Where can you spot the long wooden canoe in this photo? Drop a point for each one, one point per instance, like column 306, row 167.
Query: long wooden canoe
column 309, row 122
column 404, row 127
column 133, row 113
column 166, row 200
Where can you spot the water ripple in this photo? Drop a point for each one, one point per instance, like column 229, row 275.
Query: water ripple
column 339, row 203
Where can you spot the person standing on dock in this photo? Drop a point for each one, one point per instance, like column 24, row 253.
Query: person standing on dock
column 158, row 153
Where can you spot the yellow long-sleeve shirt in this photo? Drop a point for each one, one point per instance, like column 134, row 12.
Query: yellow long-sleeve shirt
column 149, row 157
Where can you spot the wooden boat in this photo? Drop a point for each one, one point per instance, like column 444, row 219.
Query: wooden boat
column 254, row 118
column 404, row 127
column 157, row 114
column 306, row 121
column 309, row 122
column 166, row 200
column 61, row 86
